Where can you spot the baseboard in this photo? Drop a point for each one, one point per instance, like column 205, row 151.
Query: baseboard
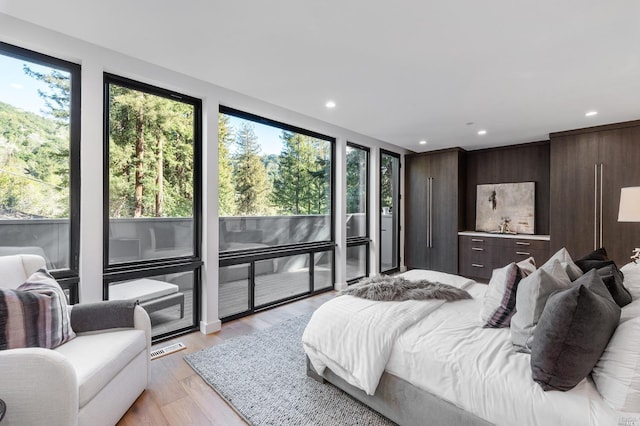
column 212, row 327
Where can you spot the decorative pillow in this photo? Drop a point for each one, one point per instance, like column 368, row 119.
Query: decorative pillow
column 531, row 297
column 572, row 333
column 617, row 372
column 35, row 314
column 500, row 298
column 567, row 263
column 613, row 279
column 527, row 266
column 631, row 273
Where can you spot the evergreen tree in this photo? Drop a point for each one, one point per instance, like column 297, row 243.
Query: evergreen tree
column 356, row 179
column 302, row 184
column 226, row 201
column 250, row 177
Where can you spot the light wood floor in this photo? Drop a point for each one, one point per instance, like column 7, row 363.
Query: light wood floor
column 178, row 396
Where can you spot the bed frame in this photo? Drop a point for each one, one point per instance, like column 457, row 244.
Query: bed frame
column 403, row 403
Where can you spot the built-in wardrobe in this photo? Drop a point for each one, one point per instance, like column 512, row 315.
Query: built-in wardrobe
column 588, row 168
column 434, row 203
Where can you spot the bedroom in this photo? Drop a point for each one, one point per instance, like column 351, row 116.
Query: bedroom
column 543, row 90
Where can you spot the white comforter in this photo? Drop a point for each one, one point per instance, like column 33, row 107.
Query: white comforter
column 359, row 354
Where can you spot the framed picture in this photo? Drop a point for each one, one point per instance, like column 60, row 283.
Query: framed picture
column 506, row 208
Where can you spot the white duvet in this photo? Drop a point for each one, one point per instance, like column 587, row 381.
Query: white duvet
column 443, row 349
column 354, row 337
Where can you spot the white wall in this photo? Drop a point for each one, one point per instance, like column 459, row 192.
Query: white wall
column 94, row 61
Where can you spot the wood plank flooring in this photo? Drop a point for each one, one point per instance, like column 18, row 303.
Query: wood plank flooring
column 178, row 396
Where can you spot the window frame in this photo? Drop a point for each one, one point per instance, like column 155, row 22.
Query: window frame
column 68, row 278
column 250, row 256
column 398, row 228
column 366, row 239
column 128, row 270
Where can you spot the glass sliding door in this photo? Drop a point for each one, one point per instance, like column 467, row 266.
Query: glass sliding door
column 152, row 202
column 389, row 212
column 40, row 161
column 276, row 212
column 357, row 198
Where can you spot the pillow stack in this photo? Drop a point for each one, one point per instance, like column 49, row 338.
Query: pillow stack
column 566, row 315
column 35, row 314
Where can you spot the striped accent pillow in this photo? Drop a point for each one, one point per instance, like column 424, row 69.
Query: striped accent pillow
column 35, row 314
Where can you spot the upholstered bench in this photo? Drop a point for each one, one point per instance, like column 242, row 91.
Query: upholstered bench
column 152, row 295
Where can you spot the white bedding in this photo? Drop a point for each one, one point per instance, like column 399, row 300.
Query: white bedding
column 450, row 355
column 447, row 353
column 359, row 354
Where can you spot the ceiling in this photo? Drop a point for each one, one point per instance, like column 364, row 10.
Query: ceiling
column 399, row 71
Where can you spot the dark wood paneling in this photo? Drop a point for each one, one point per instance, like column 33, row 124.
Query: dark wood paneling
column 619, row 152
column 446, row 169
column 573, row 196
column 516, row 163
column 580, row 161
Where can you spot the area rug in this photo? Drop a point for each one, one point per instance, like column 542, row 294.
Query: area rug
column 263, row 377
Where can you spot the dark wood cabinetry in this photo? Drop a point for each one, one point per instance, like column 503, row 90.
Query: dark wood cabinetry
column 480, row 254
column 434, row 188
column 588, row 168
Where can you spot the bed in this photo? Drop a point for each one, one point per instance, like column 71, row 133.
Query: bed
column 444, row 368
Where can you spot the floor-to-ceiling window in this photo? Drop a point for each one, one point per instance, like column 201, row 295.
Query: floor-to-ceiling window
column 152, row 202
column 357, row 198
column 40, row 161
column 389, row 211
column 276, row 213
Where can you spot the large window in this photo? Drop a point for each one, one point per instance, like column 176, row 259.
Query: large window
column 389, row 211
column 276, row 212
column 39, row 160
column 152, row 207
column 357, row 212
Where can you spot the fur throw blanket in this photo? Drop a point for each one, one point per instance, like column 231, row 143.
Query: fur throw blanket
column 387, row 288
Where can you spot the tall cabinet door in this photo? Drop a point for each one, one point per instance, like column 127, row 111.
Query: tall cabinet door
column 619, row 152
column 573, row 221
column 433, row 210
column 417, row 175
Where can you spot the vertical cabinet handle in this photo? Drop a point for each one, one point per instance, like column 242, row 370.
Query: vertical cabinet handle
column 426, row 237
column 595, row 206
column 431, row 212
column 601, row 191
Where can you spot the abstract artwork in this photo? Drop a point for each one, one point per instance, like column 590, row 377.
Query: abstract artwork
column 506, row 208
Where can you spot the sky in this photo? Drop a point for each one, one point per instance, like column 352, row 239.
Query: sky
column 268, row 137
column 17, row 88
column 21, row 91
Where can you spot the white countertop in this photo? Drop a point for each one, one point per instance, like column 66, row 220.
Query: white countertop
column 498, row 235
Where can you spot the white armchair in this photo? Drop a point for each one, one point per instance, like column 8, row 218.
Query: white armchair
column 91, row 379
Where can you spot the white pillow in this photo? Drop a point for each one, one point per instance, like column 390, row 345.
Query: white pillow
column 532, row 295
column 563, row 256
column 631, row 273
column 617, row 373
column 501, row 279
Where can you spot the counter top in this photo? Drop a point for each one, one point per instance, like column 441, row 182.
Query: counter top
column 498, row 235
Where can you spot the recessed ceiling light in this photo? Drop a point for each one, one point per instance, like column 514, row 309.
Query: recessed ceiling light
column 482, row 132
column 591, row 113
column 422, row 142
column 330, row 104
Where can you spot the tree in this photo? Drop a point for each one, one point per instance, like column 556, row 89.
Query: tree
column 302, row 183
column 226, row 201
column 250, row 177
column 150, row 155
column 356, row 180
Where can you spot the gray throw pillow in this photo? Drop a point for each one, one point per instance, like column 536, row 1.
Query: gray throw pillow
column 573, row 332
column 531, row 297
column 563, row 256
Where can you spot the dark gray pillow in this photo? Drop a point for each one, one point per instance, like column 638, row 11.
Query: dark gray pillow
column 572, row 333
column 613, row 279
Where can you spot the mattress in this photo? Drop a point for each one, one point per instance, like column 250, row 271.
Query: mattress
column 449, row 354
